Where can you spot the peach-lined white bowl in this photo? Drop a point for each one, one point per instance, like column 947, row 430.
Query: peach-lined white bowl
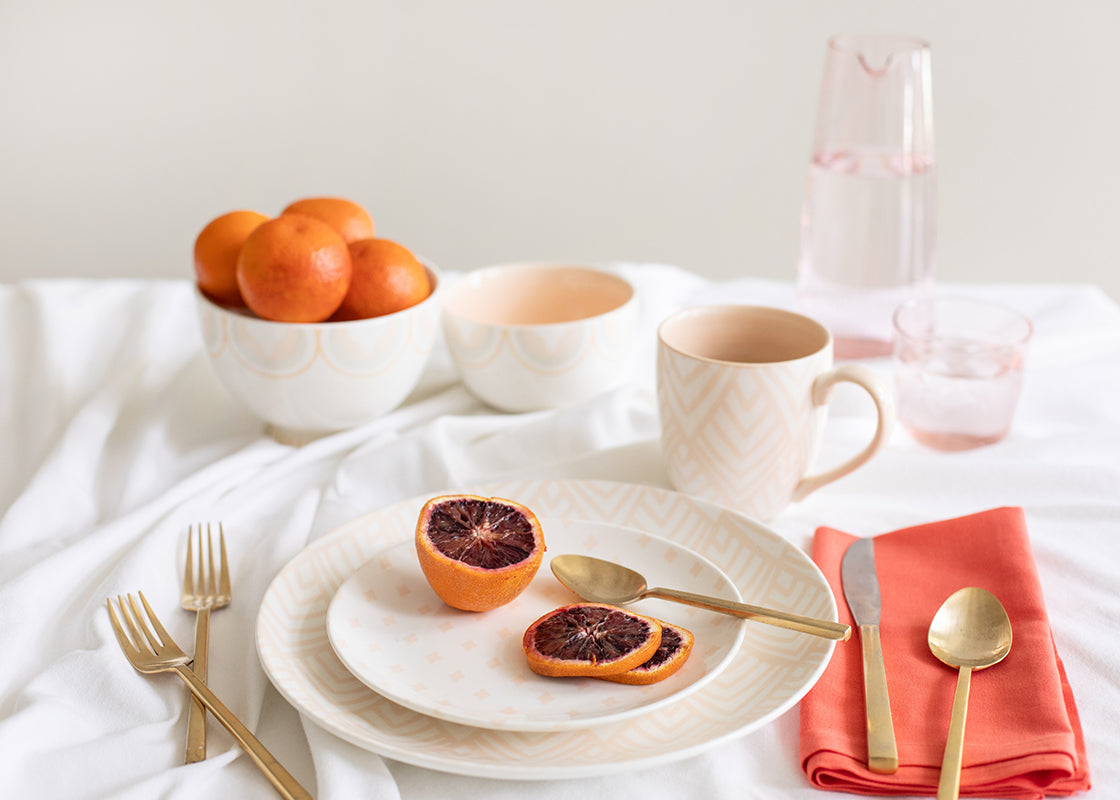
column 309, row 379
column 531, row 336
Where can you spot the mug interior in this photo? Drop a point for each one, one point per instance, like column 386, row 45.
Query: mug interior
column 536, row 294
column 743, row 334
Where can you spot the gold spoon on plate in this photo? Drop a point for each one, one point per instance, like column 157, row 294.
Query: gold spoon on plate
column 970, row 631
column 599, row 581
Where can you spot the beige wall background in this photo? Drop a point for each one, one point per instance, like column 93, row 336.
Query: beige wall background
column 494, row 130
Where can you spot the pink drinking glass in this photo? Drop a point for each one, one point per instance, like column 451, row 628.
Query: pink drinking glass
column 958, row 366
column 868, row 222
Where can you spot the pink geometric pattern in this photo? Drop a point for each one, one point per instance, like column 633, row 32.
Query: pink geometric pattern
column 393, row 633
column 740, row 436
column 771, row 671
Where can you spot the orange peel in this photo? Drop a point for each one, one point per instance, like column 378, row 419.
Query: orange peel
column 478, row 553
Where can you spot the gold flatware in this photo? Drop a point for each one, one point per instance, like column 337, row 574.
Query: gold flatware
column 599, row 581
column 860, row 581
column 204, row 590
column 150, row 652
column 970, row 631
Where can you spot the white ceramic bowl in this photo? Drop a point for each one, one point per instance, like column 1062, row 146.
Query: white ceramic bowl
column 308, row 379
column 530, row 336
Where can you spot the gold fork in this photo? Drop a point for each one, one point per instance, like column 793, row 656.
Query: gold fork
column 152, row 652
column 202, row 593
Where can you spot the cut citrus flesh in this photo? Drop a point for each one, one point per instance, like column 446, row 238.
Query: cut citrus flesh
column 590, row 639
column 478, row 553
column 675, row 647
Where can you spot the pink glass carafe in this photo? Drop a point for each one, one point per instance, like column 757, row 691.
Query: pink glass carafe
column 868, row 223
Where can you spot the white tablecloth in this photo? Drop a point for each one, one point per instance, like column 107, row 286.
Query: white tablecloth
column 116, row 435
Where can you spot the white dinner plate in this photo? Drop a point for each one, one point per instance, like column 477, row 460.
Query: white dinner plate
column 772, row 669
column 398, row 638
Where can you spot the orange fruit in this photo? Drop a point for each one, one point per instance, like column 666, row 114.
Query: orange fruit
column 215, row 255
column 345, row 216
column 672, row 652
column 478, row 553
column 294, row 268
column 387, row 277
column 590, row 639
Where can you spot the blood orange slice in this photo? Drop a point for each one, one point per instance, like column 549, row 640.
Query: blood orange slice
column 590, row 639
column 478, row 553
column 675, row 647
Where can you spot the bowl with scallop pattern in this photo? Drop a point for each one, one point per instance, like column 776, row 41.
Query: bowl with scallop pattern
column 308, row 379
column 531, row 336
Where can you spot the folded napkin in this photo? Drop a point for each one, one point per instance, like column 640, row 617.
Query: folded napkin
column 1023, row 737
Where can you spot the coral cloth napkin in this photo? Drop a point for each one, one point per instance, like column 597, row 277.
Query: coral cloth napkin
column 1023, row 737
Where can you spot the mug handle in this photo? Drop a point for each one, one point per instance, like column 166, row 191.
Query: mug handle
column 884, row 408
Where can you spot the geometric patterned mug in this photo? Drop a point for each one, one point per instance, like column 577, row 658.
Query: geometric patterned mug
column 742, row 392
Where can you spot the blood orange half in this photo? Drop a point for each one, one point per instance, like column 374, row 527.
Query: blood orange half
column 675, row 647
column 590, row 639
column 478, row 553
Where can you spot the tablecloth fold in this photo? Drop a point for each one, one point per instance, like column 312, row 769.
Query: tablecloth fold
column 119, row 436
column 1023, row 737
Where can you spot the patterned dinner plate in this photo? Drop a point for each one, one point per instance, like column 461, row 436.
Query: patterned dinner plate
column 769, row 673
column 391, row 631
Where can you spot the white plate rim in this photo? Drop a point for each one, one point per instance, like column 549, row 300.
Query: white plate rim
column 290, row 668
column 421, row 705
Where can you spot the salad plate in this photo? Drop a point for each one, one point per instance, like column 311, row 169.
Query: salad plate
column 769, row 673
column 397, row 637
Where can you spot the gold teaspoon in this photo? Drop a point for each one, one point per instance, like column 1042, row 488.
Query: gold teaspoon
column 599, row 581
column 970, row 631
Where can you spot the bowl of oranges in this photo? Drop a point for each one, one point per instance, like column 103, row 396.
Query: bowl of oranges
column 309, row 319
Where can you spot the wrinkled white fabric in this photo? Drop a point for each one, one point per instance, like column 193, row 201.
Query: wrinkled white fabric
column 117, row 436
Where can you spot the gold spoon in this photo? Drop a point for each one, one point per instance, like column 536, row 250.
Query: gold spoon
column 599, row 581
column 970, row 631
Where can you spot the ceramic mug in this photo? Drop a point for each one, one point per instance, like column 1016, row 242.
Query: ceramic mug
column 743, row 392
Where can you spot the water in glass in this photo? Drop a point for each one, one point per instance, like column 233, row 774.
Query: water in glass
column 955, row 394
column 867, row 243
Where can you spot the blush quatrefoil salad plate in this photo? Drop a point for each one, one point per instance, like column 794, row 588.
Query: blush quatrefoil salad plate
column 764, row 676
column 396, row 636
